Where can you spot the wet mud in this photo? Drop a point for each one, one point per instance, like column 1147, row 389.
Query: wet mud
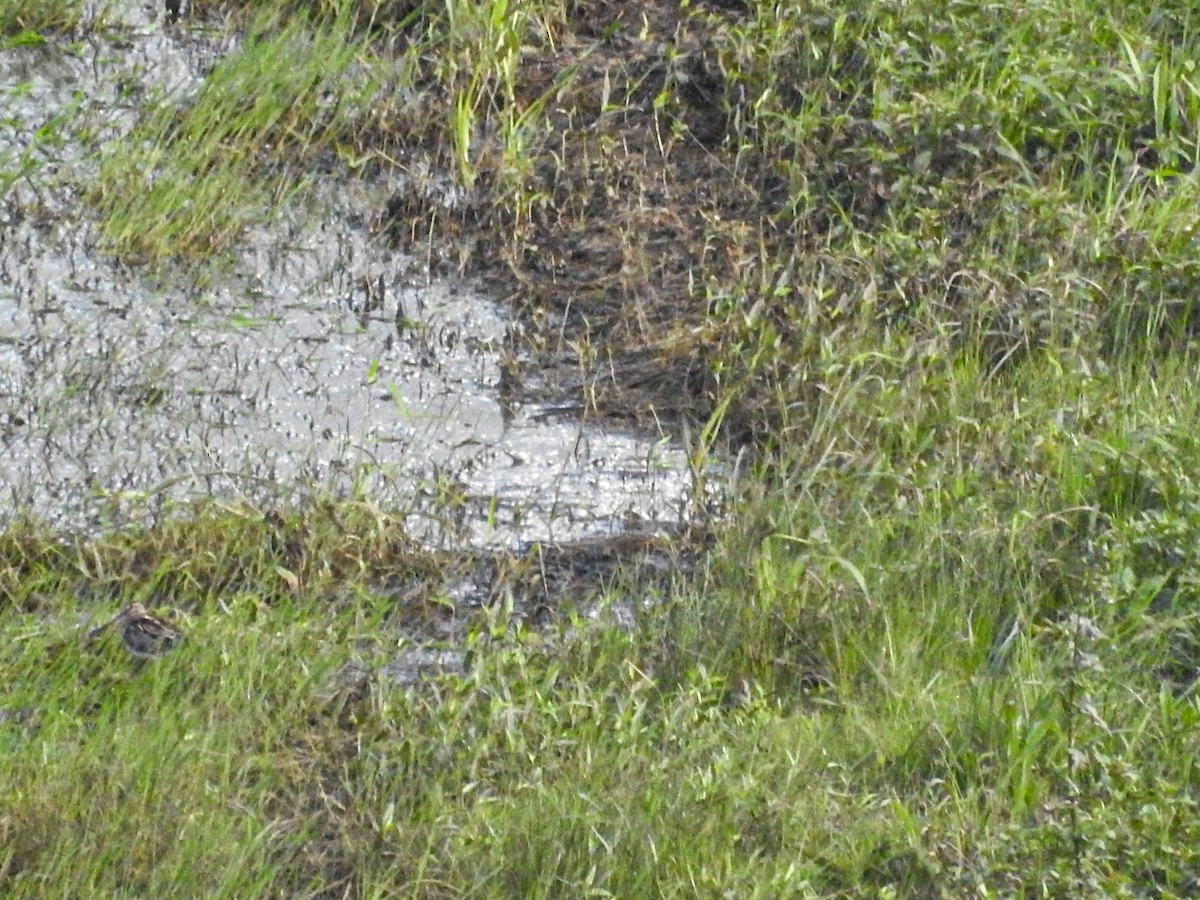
column 326, row 362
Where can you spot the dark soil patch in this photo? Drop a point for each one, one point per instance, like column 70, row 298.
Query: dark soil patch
column 633, row 211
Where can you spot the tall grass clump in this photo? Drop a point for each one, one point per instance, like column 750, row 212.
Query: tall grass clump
column 23, row 21
column 998, row 184
column 190, row 178
column 981, row 586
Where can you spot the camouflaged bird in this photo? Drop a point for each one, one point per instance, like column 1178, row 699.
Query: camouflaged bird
column 144, row 634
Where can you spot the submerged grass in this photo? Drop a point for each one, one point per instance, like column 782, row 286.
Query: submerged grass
column 931, row 264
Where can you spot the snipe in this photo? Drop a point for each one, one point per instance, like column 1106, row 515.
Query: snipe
column 144, row 634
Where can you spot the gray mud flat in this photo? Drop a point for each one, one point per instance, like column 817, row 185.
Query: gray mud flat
column 323, row 363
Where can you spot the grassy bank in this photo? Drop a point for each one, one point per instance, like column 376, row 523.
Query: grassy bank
column 930, row 267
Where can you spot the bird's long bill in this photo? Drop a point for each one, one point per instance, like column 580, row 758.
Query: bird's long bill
column 96, row 632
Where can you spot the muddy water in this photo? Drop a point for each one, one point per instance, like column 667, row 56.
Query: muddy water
column 324, row 362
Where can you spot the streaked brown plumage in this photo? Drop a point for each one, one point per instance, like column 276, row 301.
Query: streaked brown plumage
column 144, row 634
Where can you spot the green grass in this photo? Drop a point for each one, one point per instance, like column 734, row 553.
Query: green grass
column 23, row 21
column 935, row 267
column 953, row 679
column 186, row 183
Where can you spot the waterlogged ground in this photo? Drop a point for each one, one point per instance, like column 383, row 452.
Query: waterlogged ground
column 322, row 361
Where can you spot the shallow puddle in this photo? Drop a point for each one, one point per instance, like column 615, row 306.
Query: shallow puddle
column 325, row 363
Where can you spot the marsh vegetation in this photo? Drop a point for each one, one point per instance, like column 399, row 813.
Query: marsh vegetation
column 922, row 273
